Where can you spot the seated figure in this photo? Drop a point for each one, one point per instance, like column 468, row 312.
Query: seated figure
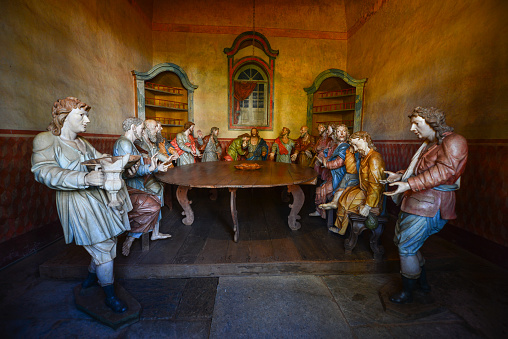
column 185, row 145
column 257, row 146
column 341, row 164
column 239, row 146
column 146, row 193
column 303, row 148
column 365, row 197
column 211, row 148
column 282, row 147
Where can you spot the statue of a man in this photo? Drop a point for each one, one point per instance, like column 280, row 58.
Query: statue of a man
column 282, row 147
column 338, row 162
column 237, row 147
column 212, row 151
column 366, row 197
column 185, row 145
column 155, row 144
column 303, row 147
column 322, row 143
column 82, row 205
column 258, row 148
column 146, row 193
column 428, row 186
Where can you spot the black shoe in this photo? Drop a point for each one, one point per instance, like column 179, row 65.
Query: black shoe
column 422, row 281
column 406, row 295
column 112, row 300
column 90, row 281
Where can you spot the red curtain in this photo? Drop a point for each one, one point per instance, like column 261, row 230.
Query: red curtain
column 242, row 91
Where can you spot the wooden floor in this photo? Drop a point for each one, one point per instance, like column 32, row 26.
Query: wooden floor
column 266, row 245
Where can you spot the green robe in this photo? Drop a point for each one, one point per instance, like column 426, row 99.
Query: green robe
column 236, row 149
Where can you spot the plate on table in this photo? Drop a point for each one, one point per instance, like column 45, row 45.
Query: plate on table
column 248, row 166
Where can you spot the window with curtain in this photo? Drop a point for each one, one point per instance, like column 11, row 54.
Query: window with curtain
column 251, row 86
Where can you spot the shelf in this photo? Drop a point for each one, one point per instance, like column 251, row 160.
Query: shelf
column 348, row 123
column 166, row 104
column 340, row 107
column 337, row 94
column 163, row 89
column 169, row 122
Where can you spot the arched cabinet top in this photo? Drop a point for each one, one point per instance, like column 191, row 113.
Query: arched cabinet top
column 166, row 67
column 334, row 73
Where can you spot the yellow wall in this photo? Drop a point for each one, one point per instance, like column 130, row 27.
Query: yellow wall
column 53, row 49
column 447, row 54
column 201, row 54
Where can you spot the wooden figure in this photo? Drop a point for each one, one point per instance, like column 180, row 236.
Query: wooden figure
column 366, row 197
column 427, row 192
column 304, row 146
column 185, row 145
column 83, row 207
column 239, row 146
column 211, row 148
column 258, row 148
column 282, row 147
column 145, row 192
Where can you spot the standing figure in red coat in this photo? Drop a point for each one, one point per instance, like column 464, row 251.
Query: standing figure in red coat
column 428, row 199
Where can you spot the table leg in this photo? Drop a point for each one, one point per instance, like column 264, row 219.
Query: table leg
column 234, row 214
column 298, row 200
column 181, row 195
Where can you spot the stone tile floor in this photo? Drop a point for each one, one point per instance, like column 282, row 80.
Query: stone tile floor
column 473, row 298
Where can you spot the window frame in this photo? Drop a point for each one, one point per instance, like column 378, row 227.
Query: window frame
column 244, row 40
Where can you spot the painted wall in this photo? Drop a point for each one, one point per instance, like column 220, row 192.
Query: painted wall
column 193, row 35
column 447, row 54
column 53, row 49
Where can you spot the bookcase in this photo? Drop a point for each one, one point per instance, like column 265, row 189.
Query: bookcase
column 335, row 97
column 165, row 94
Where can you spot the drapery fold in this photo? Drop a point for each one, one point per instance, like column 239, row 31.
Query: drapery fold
column 242, row 90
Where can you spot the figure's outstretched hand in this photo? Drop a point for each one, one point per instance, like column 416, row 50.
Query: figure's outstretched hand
column 271, row 156
column 163, row 167
column 293, row 156
column 308, row 154
column 95, row 178
column 401, row 188
column 393, row 177
column 153, row 162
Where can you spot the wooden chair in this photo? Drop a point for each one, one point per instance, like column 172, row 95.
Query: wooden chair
column 357, row 226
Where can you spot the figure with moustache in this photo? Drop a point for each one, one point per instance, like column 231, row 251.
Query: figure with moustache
column 303, row 147
column 282, row 147
column 365, row 197
column 185, row 145
column 257, row 146
column 156, row 144
column 211, row 148
column 146, row 193
column 82, row 205
column 322, row 143
column 427, row 190
column 342, row 166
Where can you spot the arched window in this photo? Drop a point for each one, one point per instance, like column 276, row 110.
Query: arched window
column 253, row 111
column 251, row 64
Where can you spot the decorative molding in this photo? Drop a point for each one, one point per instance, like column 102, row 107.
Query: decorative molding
column 235, row 30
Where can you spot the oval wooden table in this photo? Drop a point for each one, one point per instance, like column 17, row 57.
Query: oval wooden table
column 223, row 174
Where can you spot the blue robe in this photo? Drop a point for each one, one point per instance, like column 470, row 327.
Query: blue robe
column 256, row 155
